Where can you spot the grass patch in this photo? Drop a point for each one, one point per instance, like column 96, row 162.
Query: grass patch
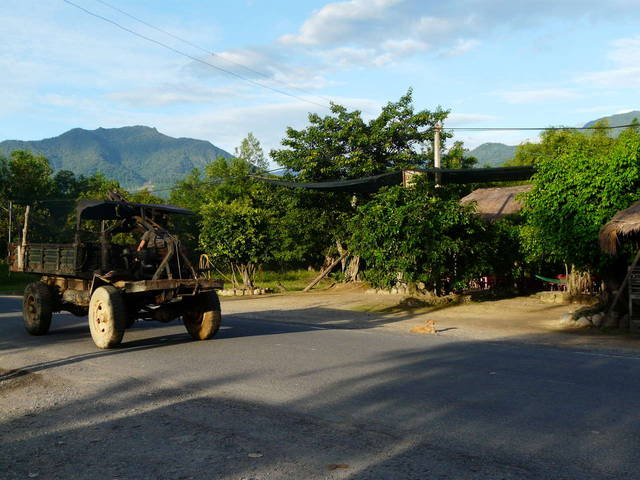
column 291, row 280
column 11, row 282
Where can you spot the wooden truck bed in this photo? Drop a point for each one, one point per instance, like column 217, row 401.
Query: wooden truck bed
column 63, row 259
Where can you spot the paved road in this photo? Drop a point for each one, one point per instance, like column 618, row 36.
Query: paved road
column 276, row 400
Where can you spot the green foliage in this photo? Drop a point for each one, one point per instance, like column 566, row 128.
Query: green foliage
column 419, row 234
column 552, row 143
column 144, row 196
column 26, row 177
column 286, row 236
column 251, row 152
column 235, row 232
column 502, row 249
column 342, row 145
column 578, row 187
column 458, row 157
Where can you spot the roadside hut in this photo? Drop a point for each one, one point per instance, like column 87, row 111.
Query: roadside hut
column 494, row 203
column 625, row 225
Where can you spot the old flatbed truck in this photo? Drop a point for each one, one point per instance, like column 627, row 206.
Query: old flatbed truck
column 114, row 284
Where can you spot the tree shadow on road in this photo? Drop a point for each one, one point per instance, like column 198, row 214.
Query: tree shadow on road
column 434, row 409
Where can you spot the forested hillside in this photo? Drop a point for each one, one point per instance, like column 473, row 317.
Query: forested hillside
column 617, row 120
column 496, row 154
column 134, row 156
column 492, row 154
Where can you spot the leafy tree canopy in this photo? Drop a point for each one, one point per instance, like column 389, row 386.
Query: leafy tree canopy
column 419, row 234
column 251, row 152
column 344, row 145
column 582, row 182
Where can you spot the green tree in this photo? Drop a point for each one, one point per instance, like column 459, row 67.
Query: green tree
column 552, row 143
column 237, row 235
column 419, row 234
column 27, row 177
column 251, row 152
column 343, row 145
column 576, row 191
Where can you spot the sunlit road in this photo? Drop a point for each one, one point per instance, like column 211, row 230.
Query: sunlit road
column 275, row 400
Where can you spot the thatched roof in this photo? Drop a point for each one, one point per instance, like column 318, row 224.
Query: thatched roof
column 494, row 203
column 624, row 223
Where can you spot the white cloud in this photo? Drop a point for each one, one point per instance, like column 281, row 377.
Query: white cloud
column 405, row 46
column 460, row 47
column 626, row 51
column 173, row 94
column 449, row 28
column 350, row 56
column 431, row 26
column 625, row 54
column 616, row 78
column 336, row 21
column 262, row 66
column 599, row 109
column 538, row 95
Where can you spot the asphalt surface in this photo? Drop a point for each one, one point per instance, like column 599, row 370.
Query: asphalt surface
column 274, row 399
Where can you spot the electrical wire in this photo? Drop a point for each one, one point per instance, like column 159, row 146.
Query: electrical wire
column 209, row 52
column 195, row 59
column 510, row 129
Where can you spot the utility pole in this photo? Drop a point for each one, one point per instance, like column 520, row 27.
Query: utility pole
column 436, row 151
column 10, row 219
column 9, row 236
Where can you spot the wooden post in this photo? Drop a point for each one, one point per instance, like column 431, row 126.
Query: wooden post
column 9, row 234
column 23, row 244
column 10, row 219
column 624, row 284
column 436, row 151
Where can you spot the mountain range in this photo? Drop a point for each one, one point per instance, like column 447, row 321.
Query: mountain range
column 134, row 156
column 495, row 154
column 141, row 156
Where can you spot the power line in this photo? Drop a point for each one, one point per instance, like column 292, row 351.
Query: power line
column 195, row 59
column 211, row 182
column 209, row 52
column 508, row 129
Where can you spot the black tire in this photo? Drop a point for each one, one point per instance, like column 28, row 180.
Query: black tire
column 107, row 317
column 202, row 316
column 37, row 308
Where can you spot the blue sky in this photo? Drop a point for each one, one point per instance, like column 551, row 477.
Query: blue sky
column 492, row 62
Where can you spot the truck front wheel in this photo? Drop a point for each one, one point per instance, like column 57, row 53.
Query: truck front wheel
column 202, row 316
column 107, row 317
column 37, row 308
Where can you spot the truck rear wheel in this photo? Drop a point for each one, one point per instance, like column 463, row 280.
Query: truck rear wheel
column 107, row 317
column 202, row 316
column 37, row 308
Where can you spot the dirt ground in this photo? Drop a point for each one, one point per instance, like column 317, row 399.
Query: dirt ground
column 526, row 318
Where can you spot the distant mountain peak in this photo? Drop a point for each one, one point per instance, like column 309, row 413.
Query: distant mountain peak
column 134, row 155
column 617, row 120
column 492, row 154
column 495, row 154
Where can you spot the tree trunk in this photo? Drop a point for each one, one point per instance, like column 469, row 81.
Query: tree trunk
column 247, row 272
column 341, row 252
column 353, row 269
